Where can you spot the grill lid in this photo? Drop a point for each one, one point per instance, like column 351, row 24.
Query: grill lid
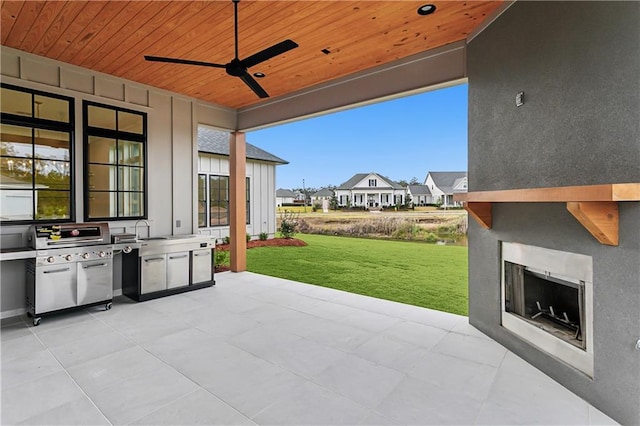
column 68, row 235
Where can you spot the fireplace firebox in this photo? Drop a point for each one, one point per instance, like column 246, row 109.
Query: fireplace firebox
column 547, row 301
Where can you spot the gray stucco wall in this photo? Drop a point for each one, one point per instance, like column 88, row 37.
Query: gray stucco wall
column 578, row 64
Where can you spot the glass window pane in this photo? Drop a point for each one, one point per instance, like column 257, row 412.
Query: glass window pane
column 202, row 201
column 16, row 102
column 128, row 122
column 130, row 153
column 51, row 108
column 102, row 204
column 52, row 145
column 52, row 205
column 102, row 178
column 18, row 171
column 101, row 117
column 52, row 174
column 131, row 204
column 16, row 204
column 16, row 141
column 131, row 179
column 101, row 150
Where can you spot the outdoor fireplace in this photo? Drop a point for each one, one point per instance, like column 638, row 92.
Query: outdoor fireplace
column 547, row 301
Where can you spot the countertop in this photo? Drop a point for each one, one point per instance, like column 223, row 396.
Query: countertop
column 17, row 253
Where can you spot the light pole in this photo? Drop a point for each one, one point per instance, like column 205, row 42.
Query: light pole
column 304, row 194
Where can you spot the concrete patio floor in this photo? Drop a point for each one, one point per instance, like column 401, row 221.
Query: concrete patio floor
column 262, row 350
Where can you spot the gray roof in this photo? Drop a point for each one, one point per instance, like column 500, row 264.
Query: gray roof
column 351, row 183
column 281, row 192
column 217, row 142
column 419, row 190
column 324, row 192
column 447, row 180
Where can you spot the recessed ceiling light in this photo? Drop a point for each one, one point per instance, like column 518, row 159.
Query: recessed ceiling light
column 326, row 51
column 426, row 9
column 259, row 74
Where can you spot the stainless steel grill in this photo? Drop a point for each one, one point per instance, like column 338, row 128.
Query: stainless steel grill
column 73, row 268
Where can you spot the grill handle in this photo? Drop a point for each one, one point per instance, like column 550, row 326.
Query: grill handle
column 178, row 257
column 94, row 266
column 155, row 259
column 70, row 240
column 202, row 254
column 56, row 270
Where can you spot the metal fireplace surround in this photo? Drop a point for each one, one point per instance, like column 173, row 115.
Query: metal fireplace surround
column 534, row 279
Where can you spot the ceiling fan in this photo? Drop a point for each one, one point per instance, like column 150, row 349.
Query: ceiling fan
column 238, row 67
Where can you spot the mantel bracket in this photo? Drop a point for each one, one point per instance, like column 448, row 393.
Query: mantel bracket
column 600, row 218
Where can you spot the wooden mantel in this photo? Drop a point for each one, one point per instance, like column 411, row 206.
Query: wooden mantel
column 594, row 206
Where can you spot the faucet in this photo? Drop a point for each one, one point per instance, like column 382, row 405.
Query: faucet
column 135, row 228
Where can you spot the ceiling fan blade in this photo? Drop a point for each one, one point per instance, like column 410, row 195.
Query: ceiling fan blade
column 269, row 52
column 253, row 84
column 182, row 61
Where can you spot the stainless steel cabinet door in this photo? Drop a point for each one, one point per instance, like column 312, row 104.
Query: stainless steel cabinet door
column 177, row 269
column 154, row 273
column 201, row 265
column 95, row 281
column 55, row 287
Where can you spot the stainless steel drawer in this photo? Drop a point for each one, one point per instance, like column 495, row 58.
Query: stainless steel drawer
column 55, row 287
column 177, row 269
column 201, row 265
column 153, row 273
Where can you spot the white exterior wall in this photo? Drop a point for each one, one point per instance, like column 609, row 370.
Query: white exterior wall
column 171, row 151
column 262, row 179
column 436, row 193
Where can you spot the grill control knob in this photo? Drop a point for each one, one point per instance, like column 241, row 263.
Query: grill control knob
column 68, row 257
column 50, row 259
column 127, row 250
column 86, row 255
column 101, row 254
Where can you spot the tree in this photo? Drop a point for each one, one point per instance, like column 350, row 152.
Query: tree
column 414, row 181
column 403, row 183
column 333, row 201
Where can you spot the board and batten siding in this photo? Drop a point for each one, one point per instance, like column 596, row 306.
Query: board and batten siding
column 172, row 121
column 262, row 178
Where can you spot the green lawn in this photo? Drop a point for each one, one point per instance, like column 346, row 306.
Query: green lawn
column 431, row 276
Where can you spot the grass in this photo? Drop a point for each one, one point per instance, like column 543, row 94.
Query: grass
column 431, row 276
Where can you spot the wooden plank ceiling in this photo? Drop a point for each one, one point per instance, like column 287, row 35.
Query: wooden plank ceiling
column 112, row 37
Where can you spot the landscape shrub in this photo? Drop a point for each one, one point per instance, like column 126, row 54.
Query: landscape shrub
column 248, row 237
column 263, row 236
column 227, row 240
column 288, row 224
column 220, row 258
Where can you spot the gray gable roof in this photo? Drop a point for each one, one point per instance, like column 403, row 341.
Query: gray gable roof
column 351, row 183
column 419, row 190
column 324, row 192
column 446, row 180
column 280, row 192
column 217, row 142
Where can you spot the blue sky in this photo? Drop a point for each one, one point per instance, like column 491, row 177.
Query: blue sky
column 401, row 139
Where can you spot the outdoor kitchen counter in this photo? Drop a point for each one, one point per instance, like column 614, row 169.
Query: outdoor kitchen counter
column 17, row 253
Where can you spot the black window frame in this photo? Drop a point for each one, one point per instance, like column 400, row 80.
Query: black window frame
column 45, row 124
column 117, row 135
column 207, row 186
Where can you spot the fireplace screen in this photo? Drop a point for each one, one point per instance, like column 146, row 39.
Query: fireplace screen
column 547, row 302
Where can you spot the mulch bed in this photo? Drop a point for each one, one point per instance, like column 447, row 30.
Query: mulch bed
column 274, row 242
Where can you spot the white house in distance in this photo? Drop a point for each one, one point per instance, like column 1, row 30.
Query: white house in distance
column 213, row 186
column 319, row 196
column 444, row 184
column 285, row 196
column 370, row 190
column 420, row 195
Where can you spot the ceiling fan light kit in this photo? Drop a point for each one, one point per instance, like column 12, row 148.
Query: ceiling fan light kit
column 238, row 67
